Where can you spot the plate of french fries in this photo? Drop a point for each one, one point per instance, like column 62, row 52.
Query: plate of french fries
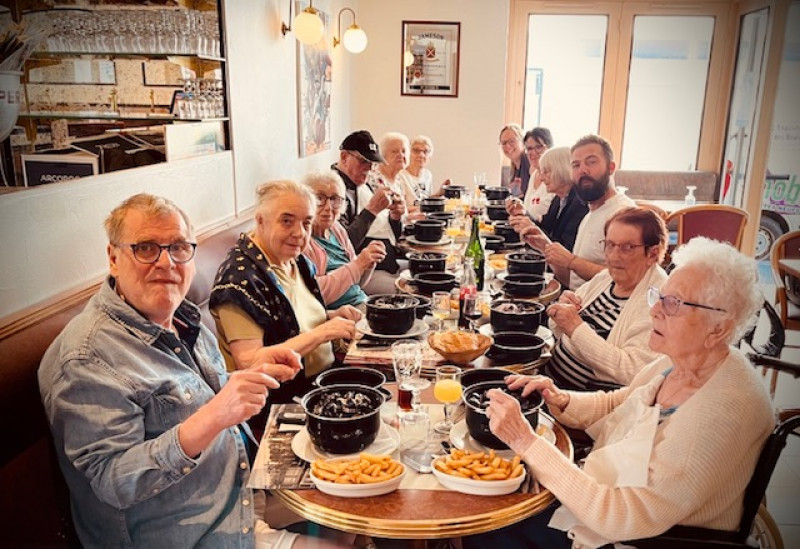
column 364, row 476
column 479, row 473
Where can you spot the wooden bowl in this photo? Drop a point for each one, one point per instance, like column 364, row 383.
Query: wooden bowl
column 464, row 355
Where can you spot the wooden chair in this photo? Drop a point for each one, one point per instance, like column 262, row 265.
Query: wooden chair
column 717, row 221
column 787, row 287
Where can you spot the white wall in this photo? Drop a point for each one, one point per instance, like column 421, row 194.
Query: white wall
column 51, row 238
column 465, row 129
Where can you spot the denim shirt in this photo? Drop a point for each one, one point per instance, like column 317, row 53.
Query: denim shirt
column 114, row 400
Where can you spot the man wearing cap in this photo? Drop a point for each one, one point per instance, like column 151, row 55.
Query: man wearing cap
column 370, row 212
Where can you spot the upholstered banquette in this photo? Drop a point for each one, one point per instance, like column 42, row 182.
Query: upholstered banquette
column 34, row 501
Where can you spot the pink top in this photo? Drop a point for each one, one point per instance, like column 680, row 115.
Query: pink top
column 334, row 284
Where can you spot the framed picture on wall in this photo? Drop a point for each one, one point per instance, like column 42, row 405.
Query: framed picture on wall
column 430, row 58
column 314, row 69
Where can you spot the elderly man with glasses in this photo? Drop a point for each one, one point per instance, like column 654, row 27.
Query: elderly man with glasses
column 148, row 425
column 371, row 212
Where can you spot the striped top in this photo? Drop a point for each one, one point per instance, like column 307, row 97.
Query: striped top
column 566, row 370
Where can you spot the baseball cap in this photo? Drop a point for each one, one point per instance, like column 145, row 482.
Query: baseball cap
column 362, row 143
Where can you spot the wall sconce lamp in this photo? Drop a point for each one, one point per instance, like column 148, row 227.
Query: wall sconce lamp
column 354, row 39
column 408, row 57
column 308, row 27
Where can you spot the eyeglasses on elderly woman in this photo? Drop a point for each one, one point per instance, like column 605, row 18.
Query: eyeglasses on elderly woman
column 626, row 248
column 335, row 200
column 670, row 304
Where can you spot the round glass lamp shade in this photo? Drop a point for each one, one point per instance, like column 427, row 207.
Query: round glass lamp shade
column 408, row 59
column 355, row 39
column 308, row 27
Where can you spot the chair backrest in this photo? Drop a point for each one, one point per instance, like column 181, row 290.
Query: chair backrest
column 659, row 211
column 786, row 247
column 757, row 487
column 717, row 221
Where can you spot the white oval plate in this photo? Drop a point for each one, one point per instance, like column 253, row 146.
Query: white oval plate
column 358, row 490
column 386, row 442
column 419, row 328
column 459, row 437
column 445, row 240
column 479, row 487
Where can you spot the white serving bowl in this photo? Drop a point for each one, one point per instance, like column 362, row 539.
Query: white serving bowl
column 479, row 487
column 358, row 490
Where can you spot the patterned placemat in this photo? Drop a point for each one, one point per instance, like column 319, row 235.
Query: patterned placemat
column 276, row 465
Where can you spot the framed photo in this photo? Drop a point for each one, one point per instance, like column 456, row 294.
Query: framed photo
column 430, row 58
column 314, row 69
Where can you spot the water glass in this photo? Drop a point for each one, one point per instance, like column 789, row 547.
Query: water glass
column 407, row 362
column 440, row 306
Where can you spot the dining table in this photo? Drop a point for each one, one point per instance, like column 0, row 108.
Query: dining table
column 421, row 509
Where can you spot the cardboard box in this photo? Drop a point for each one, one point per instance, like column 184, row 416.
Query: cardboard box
column 57, row 165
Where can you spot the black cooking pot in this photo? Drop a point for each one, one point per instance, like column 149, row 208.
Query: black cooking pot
column 422, row 262
column 408, row 229
column 475, row 400
column 424, row 307
column 391, row 314
column 434, row 281
column 479, row 375
column 526, row 262
column 353, row 375
column 434, row 204
column 442, row 216
column 454, row 191
column 496, row 211
column 497, row 193
column 494, row 242
column 343, row 435
column 517, row 346
column 512, row 315
column 523, row 285
column 429, row 230
column 504, row 229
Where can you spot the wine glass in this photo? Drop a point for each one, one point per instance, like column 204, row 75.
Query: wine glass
column 471, row 310
column 407, row 361
column 440, row 306
column 447, row 390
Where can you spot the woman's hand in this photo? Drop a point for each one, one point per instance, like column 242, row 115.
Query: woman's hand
column 398, row 207
column 372, row 254
column 514, row 206
column 279, row 362
column 335, row 328
column 566, row 317
column 507, row 422
column 346, row 311
column 553, row 396
column 570, row 298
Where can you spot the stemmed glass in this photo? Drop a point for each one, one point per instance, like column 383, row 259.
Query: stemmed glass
column 441, row 308
column 471, row 309
column 407, row 361
column 447, row 390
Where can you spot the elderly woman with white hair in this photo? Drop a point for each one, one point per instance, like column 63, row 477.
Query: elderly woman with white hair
column 340, row 272
column 265, row 292
column 675, row 447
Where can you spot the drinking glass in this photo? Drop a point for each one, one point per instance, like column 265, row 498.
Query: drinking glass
column 470, row 308
column 407, row 361
column 416, row 448
column 440, row 307
column 447, row 390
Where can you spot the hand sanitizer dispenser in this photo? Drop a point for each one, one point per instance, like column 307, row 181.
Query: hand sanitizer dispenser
column 689, row 199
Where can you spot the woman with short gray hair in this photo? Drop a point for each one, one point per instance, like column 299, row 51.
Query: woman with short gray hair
column 340, row 272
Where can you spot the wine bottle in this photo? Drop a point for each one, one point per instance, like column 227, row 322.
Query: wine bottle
column 475, row 251
column 468, row 286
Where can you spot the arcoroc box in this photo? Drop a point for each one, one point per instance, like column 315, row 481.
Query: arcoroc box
column 57, row 165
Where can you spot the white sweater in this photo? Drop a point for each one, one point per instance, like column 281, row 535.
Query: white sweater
column 703, row 457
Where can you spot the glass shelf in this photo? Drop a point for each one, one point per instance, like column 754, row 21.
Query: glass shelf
column 129, row 54
column 114, row 116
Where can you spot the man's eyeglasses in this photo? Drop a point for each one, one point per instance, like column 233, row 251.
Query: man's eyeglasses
column 335, row 200
column 361, row 160
column 671, row 304
column 150, row 252
column 625, row 248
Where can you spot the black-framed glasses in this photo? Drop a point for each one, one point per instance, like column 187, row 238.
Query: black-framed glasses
column 335, row 200
column 625, row 248
column 150, row 252
column 670, row 304
column 538, row 148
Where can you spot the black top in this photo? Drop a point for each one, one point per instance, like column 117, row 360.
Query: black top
column 564, row 228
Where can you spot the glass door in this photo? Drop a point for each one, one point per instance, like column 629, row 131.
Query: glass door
column 745, row 101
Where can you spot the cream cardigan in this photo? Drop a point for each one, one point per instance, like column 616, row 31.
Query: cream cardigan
column 620, row 357
column 703, row 457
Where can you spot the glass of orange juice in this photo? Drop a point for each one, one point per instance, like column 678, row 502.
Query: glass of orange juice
column 447, row 390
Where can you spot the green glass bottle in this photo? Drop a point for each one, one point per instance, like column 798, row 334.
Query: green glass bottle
column 475, row 251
